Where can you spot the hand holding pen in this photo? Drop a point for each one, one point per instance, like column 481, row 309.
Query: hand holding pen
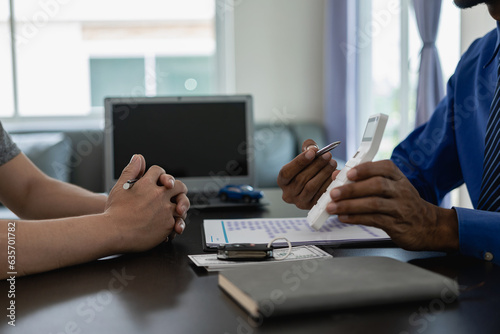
column 305, row 178
column 182, row 202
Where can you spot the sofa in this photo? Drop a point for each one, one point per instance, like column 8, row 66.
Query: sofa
column 77, row 156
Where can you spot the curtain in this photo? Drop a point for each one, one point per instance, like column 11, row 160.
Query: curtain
column 337, row 55
column 430, row 89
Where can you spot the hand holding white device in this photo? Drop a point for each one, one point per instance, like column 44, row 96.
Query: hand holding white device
column 366, row 152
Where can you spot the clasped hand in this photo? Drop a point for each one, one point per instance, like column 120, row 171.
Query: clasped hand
column 152, row 211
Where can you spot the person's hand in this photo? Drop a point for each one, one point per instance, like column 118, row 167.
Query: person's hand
column 150, row 211
column 305, row 179
column 381, row 196
column 183, row 204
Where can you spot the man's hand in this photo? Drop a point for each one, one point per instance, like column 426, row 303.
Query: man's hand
column 381, row 196
column 151, row 211
column 305, row 178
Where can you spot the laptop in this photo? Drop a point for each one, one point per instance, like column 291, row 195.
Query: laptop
column 201, row 140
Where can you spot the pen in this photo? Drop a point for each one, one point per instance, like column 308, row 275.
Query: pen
column 130, row 183
column 328, row 148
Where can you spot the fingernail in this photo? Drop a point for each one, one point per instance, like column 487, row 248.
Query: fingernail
column 351, row 175
column 182, row 225
column 172, row 182
column 333, row 163
column 331, row 207
column 132, row 159
column 183, row 209
column 310, row 154
column 335, row 193
column 327, row 156
column 311, row 146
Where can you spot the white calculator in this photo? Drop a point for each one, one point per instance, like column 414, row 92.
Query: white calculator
column 369, row 147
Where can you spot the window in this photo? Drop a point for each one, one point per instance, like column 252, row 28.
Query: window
column 72, row 54
column 6, row 86
column 389, row 60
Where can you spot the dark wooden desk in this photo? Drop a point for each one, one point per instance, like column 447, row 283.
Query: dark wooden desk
column 161, row 292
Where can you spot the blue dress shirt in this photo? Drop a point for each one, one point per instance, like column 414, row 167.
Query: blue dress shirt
column 447, row 151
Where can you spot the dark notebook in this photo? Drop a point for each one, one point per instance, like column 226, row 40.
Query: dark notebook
column 338, row 283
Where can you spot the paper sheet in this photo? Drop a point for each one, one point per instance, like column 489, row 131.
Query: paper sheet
column 297, row 230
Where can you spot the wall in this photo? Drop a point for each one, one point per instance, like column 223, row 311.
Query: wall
column 279, row 53
column 475, row 22
column 279, row 57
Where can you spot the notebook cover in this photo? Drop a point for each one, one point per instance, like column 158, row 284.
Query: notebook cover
column 339, row 283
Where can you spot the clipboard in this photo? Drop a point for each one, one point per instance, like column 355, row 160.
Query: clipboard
column 296, row 230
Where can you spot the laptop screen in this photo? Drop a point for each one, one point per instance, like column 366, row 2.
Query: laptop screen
column 201, row 141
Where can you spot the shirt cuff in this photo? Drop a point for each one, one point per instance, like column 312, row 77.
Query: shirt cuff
column 479, row 234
